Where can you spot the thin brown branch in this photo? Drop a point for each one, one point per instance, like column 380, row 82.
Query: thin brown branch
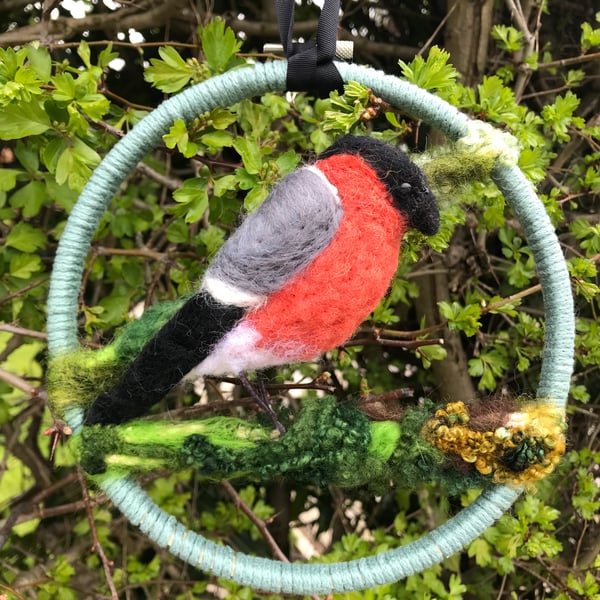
column 437, row 30
column 522, row 294
column 407, row 344
column 270, row 30
column 171, row 183
column 530, row 45
column 40, row 335
column 127, row 103
column 23, row 290
column 411, row 335
column 12, row 592
column 8, row 5
column 567, row 62
column 258, row 522
column 19, row 383
column 97, row 545
column 50, row 512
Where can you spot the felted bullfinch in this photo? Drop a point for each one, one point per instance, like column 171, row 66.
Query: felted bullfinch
column 295, row 280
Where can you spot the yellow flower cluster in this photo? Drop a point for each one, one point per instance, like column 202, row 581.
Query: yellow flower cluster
column 526, row 448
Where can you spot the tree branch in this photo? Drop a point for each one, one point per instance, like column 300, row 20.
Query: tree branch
column 97, row 545
column 258, row 522
column 144, row 16
column 9, row 5
column 266, row 30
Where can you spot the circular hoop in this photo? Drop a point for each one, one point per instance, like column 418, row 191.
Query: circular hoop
column 164, row 529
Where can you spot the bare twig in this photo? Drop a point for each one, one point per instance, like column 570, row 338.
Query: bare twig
column 531, row 43
column 566, row 62
column 258, row 522
column 12, row 593
column 436, row 31
column 19, row 383
column 19, row 515
column 23, row 290
column 40, row 335
column 504, row 301
column 171, row 183
column 406, row 344
column 97, row 546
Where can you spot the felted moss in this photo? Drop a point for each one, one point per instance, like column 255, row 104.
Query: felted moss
column 456, row 169
column 327, row 443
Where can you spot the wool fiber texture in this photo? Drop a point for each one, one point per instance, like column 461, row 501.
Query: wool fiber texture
column 322, row 306
column 292, row 226
column 296, row 279
column 404, row 181
column 184, row 341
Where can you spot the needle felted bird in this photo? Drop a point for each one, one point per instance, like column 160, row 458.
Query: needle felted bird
column 296, row 279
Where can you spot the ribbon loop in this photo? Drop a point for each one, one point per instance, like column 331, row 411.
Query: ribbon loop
column 310, row 64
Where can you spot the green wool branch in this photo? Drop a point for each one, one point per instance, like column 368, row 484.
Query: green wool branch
column 330, row 443
column 325, row 443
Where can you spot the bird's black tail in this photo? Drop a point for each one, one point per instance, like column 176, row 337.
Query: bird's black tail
column 182, row 343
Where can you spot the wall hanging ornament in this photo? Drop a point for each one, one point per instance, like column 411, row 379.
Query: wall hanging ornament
column 426, row 444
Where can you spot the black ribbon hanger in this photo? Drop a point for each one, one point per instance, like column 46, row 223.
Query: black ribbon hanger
column 310, row 64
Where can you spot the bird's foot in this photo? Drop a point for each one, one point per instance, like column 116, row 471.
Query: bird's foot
column 261, row 397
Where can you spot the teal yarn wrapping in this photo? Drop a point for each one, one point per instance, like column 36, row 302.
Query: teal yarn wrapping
column 135, row 504
column 559, row 339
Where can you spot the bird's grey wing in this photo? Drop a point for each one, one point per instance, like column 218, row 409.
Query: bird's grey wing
column 294, row 224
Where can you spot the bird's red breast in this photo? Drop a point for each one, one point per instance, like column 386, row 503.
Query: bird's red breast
column 322, row 306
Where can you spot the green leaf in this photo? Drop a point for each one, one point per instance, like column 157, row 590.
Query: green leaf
column 26, row 238
column 29, row 198
column 170, row 74
column 40, row 61
column 250, row 154
column 53, row 151
column 94, row 106
column 508, row 37
column 178, row 233
column 192, row 198
column 27, row 155
column 74, row 164
column 558, row 117
column 218, row 44
column 22, row 120
column 480, row 549
column 8, row 179
column 107, row 56
column 220, row 118
column 427, row 354
column 23, row 266
column 490, row 365
column 433, row 73
column 64, row 87
column 212, row 238
column 590, row 37
column 224, row 184
column 287, row 161
column 178, row 136
column 255, row 197
column 216, row 140
column 461, row 318
column 246, row 181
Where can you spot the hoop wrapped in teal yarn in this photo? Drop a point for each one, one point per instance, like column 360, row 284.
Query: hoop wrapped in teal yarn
column 163, row 528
